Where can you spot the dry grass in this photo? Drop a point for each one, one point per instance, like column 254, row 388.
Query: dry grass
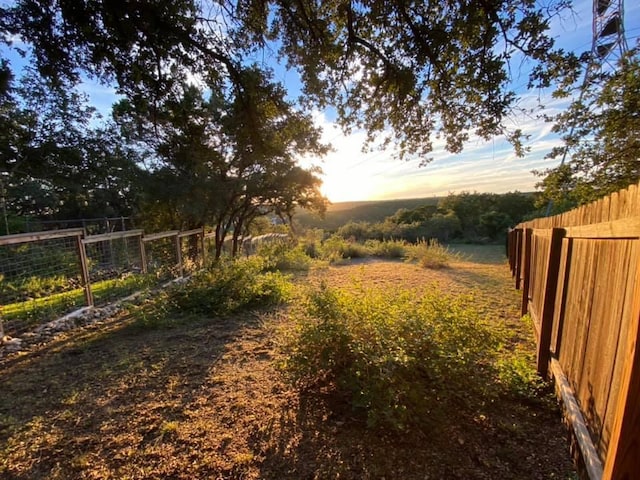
column 206, row 400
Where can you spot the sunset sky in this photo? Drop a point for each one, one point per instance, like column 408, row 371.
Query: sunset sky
column 482, row 166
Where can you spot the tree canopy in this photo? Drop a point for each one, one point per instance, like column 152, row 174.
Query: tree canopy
column 403, row 70
column 601, row 139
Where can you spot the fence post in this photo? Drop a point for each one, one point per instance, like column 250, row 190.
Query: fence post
column 84, row 271
column 202, row 245
column 549, row 301
column 179, row 254
column 623, row 453
column 518, row 259
column 527, row 236
column 143, row 254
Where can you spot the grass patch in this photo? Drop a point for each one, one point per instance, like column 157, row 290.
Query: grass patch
column 284, row 256
column 336, row 249
column 22, row 316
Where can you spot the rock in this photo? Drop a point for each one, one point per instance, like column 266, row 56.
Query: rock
column 12, row 345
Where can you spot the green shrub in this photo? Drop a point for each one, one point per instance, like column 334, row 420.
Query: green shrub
column 387, row 248
column 395, row 357
column 230, row 286
column 431, row 254
column 336, row 249
column 517, row 374
column 285, row 256
column 226, row 287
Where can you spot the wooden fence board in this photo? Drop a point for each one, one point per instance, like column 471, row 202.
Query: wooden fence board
column 623, row 307
column 561, row 297
column 623, row 454
column 603, row 333
column 594, row 333
column 38, row 236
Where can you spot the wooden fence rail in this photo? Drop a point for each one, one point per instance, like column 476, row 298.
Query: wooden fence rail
column 579, row 273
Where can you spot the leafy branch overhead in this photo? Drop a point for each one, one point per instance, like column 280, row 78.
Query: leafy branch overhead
column 403, row 70
column 601, row 134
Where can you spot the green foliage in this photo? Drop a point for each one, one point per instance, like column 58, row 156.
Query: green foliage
column 285, row 257
column 396, row 357
column 336, row 249
column 601, row 133
column 231, row 286
column 387, row 248
column 476, row 217
column 431, row 254
column 228, row 286
column 415, row 68
column 517, row 374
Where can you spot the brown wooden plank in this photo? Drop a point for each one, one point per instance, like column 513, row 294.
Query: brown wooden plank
column 623, row 456
column 603, row 333
column 103, row 237
column 38, row 236
column 518, row 257
column 585, row 302
column 621, row 228
column 187, row 233
column 572, row 290
column 84, row 271
column 623, row 306
column 549, row 301
column 561, row 297
column 526, row 270
column 160, row 235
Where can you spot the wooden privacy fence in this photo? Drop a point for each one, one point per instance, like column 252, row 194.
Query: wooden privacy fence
column 66, row 269
column 579, row 273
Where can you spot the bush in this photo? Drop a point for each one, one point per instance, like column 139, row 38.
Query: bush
column 387, row 248
column 397, row 358
column 336, row 249
column 230, row 286
column 284, row 256
column 431, row 254
column 226, row 287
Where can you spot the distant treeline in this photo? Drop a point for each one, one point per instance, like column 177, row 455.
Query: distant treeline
column 472, row 217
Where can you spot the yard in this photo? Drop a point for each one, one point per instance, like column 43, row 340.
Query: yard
column 207, row 399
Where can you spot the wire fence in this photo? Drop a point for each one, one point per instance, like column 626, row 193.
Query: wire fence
column 47, row 274
column 40, row 277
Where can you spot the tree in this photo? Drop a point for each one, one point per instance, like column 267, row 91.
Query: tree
column 218, row 164
column 601, row 134
column 402, row 69
column 54, row 162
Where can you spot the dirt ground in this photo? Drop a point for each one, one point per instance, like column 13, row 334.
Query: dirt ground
column 205, row 400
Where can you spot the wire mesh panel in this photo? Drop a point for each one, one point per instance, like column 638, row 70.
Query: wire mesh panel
column 115, row 265
column 162, row 256
column 40, row 278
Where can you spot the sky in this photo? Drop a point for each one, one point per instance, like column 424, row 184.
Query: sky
column 483, row 166
column 350, row 174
